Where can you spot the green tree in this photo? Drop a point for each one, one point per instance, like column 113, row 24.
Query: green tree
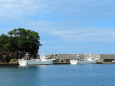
column 3, row 40
column 21, row 40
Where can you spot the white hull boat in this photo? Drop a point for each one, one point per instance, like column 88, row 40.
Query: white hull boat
column 87, row 62
column 89, row 59
column 41, row 61
column 34, row 62
column 22, row 62
column 73, row 61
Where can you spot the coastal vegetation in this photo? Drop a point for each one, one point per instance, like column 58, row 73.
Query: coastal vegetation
column 17, row 42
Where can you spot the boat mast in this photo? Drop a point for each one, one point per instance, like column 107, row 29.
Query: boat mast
column 43, row 54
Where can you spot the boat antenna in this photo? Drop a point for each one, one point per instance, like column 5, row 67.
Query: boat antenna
column 43, row 54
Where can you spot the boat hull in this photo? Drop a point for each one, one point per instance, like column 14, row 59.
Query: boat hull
column 22, row 62
column 39, row 62
column 73, row 61
column 87, row 62
column 34, row 62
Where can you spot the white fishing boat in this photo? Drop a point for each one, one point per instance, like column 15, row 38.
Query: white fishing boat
column 87, row 62
column 22, row 62
column 39, row 61
column 73, row 61
column 89, row 59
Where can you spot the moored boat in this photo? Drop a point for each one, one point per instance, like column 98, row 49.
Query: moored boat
column 22, row 62
column 87, row 62
column 39, row 61
column 73, row 61
column 89, row 59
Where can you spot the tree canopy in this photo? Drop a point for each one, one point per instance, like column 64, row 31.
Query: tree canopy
column 21, row 40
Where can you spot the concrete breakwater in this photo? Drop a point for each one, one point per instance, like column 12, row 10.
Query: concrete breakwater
column 65, row 58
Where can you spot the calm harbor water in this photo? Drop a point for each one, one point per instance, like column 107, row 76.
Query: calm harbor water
column 59, row 75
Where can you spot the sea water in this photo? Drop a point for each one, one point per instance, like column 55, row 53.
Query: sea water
column 59, row 75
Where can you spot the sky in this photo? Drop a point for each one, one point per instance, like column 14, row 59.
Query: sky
column 65, row 26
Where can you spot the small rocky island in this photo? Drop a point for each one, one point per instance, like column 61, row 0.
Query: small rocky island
column 16, row 43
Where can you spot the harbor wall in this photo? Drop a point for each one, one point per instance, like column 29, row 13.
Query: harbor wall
column 102, row 58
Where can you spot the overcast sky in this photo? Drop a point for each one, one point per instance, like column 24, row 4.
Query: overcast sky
column 65, row 26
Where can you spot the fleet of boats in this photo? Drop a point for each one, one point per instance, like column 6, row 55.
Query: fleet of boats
column 89, row 59
column 43, row 60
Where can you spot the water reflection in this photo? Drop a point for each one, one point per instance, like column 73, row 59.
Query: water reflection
column 58, row 75
column 19, row 76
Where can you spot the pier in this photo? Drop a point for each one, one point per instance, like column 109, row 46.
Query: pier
column 8, row 64
column 65, row 58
